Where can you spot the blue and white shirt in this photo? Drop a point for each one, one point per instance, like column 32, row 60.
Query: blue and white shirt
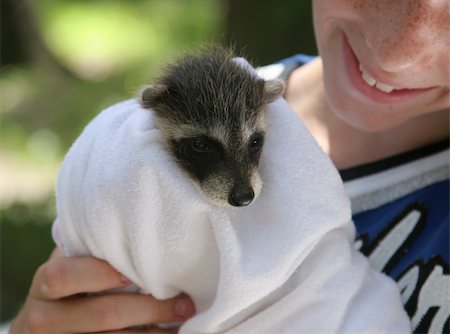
column 401, row 207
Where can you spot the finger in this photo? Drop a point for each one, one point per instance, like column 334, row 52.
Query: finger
column 148, row 329
column 55, row 253
column 111, row 312
column 65, row 276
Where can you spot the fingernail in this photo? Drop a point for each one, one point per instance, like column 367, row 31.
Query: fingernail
column 181, row 307
column 44, row 289
column 125, row 280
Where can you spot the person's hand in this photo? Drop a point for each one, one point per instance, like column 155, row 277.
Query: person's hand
column 60, row 301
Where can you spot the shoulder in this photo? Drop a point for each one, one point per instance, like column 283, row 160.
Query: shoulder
column 283, row 68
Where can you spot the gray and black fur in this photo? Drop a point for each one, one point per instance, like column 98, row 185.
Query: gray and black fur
column 210, row 108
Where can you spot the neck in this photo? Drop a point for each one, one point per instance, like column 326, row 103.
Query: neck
column 346, row 145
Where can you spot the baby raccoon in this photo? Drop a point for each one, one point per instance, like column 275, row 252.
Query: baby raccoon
column 210, row 110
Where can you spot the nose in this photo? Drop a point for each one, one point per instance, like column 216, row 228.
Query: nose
column 241, row 196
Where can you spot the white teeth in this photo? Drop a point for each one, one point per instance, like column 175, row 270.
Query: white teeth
column 384, row 88
column 373, row 83
column 368, row 79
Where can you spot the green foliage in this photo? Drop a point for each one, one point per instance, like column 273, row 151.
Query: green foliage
column 109, row 48
column 25, row 244
column 111, row 36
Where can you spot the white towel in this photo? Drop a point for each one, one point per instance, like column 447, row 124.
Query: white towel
column 284, row 264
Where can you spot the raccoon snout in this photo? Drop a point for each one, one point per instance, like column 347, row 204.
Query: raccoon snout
column 241, row 196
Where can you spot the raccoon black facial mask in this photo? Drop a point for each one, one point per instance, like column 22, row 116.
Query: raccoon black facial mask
column 210, row 109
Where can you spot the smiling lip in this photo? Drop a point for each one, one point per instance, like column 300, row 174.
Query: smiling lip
column 355, row 77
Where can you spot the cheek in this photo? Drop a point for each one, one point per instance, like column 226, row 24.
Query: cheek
column 397, row 34
column 328, row 15
column 408, row 32
column 254, row 157
column 199, row 170
column 216, row 188
column 256, row 183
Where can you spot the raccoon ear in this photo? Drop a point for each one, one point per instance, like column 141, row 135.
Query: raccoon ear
column 273, row 90
column 150, row 95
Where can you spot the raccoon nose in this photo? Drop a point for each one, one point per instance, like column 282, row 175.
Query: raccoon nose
column 241, row 196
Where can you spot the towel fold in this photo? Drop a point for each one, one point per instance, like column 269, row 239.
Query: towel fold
column 284, row 264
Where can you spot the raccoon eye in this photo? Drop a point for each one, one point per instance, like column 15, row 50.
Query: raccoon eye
column 256, row 141
column 200, row 146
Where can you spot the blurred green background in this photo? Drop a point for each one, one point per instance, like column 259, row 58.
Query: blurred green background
column 63, row 61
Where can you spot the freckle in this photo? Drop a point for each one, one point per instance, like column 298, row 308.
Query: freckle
column 358, row 4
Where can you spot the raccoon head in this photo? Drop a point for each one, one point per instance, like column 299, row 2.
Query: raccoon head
column 210, row 110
